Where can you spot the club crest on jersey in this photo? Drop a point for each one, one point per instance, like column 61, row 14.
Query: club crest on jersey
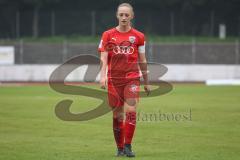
column 132, row 39
column 134, row 88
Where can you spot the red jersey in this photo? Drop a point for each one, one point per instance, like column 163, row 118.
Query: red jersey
column 123, row 49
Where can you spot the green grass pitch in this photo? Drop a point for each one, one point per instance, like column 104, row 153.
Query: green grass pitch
column 29, row 129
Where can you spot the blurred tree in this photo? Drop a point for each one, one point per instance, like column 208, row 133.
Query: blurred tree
column 192, row 12
column 36, row 5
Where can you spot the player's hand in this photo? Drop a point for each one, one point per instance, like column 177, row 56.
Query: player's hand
column 103, row 83
column 147, row 89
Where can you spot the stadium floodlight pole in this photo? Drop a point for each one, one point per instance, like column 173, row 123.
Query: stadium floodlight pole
column 93, row 23
column 21, row 50
column 237, row 51
column 17, row 24
column 172, row 24
column 193, row 50
column 53, row 23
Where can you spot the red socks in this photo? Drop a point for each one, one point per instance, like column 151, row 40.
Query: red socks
column 130, row 124
column 118, row 130
column 124, row 132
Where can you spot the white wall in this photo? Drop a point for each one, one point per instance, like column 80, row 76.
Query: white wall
column 201, row 72
column 175, row 72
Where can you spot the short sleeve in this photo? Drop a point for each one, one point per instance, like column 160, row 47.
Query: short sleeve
column 103, row 42
column 141, row 46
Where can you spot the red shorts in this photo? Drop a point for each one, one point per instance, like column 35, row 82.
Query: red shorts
column 119, row 92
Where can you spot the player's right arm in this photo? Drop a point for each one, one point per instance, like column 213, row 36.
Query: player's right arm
column 104, row 59
column 103, row 65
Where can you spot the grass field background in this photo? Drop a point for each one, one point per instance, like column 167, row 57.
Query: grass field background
column 30, row 130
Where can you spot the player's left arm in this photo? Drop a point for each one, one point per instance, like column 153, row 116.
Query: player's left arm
column 143, row 67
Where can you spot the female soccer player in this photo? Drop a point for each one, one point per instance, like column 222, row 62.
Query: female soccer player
column 122, row 51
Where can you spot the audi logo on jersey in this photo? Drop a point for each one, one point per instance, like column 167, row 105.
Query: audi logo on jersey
column 123, row 50
column 124, row 47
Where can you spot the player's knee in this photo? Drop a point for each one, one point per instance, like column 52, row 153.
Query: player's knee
column 118, row 113
column 131, row 102
column 130, row 108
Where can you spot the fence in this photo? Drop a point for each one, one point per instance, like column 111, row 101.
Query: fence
column 174, row 53
column 51, row 23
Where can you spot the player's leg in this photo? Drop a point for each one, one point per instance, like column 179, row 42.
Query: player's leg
column 130, row 125
column 116, row 102
column 131, row 95
column 118, row 129
column 130, row 120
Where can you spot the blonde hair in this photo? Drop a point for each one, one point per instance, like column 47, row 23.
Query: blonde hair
column 126, row 5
